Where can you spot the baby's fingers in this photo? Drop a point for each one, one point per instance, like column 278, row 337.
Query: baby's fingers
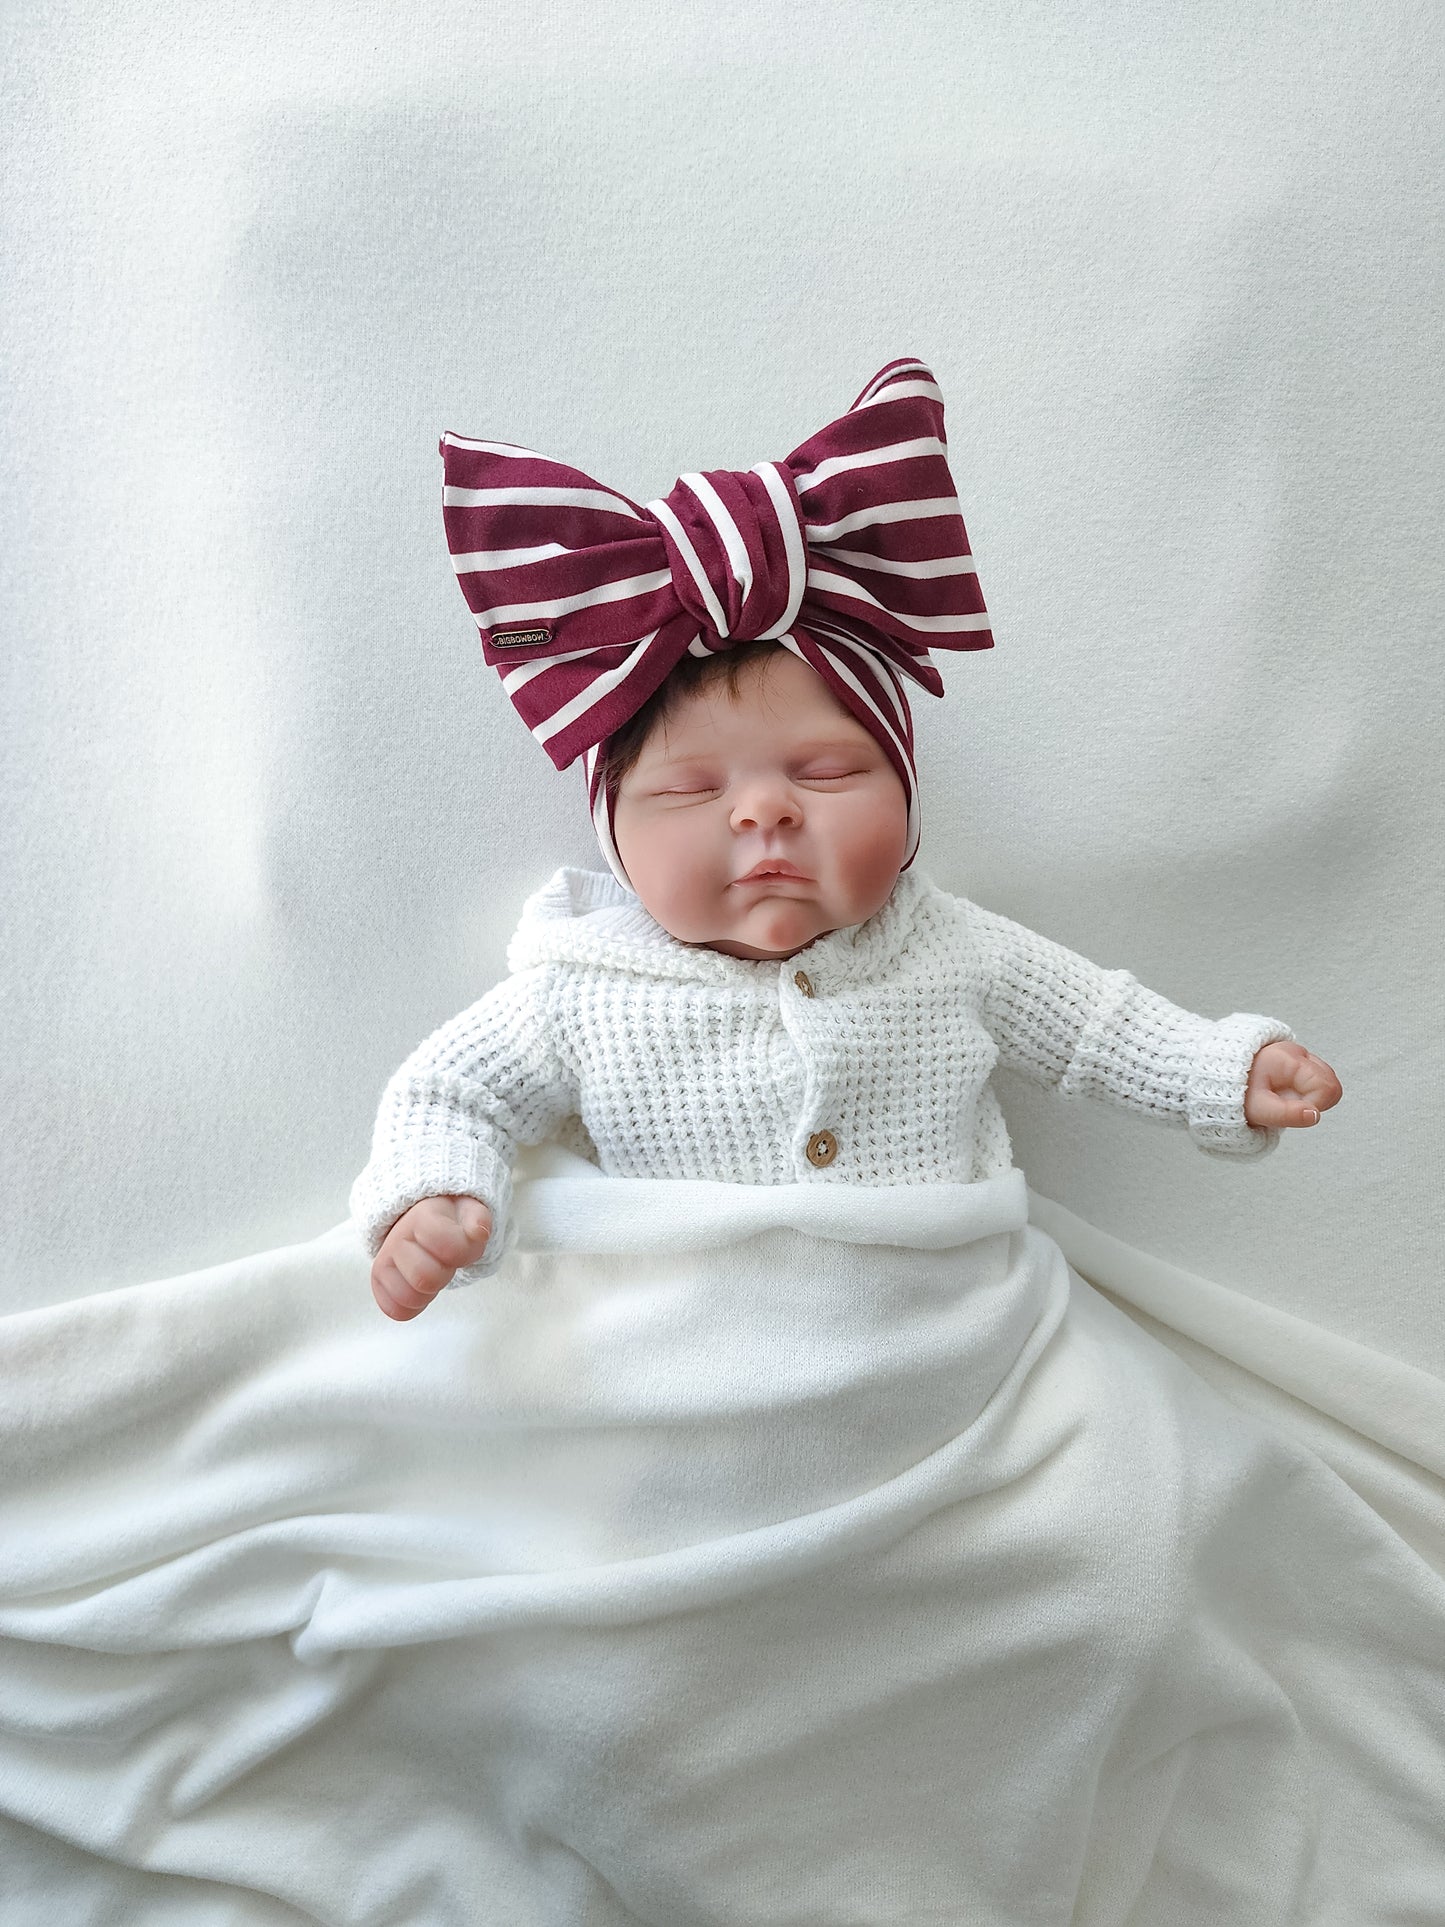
column 1320, row 1085
column 1315, row 1087
column 1289, row 1087
column 454, row 1230
column 399, row 1296
column 1267, row 1109
column 406, row 1272
column 424, row 1249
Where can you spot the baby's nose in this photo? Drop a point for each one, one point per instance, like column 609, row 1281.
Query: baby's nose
column 766, row 806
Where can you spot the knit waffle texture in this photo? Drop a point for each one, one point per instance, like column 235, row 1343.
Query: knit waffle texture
column 864, row 1059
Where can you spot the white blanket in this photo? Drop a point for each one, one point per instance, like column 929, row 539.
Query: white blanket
column 736, row 1555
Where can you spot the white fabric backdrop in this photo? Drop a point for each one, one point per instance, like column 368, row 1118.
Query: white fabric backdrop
column 267, row 819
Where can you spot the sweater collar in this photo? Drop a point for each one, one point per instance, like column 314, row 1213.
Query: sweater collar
column 586, row 917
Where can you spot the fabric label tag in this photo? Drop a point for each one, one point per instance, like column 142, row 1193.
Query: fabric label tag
column 519, row 638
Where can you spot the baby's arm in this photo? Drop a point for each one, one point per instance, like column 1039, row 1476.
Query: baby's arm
column 449, row 1124
column 1065, row 1022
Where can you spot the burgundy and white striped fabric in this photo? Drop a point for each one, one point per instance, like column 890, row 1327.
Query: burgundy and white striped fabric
column 851, row 551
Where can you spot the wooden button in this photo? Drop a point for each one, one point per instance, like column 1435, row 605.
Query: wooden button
column 822, row 1148
column 804, row 982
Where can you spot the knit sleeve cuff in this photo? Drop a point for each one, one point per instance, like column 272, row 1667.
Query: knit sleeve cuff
column 1218, row 1080
column 436, row 1167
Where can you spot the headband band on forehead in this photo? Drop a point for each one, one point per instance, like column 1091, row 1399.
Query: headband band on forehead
column 851, row 552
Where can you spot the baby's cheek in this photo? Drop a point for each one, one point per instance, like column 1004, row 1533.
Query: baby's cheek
column 871, row 848
column 679, row 874
column 707, row 869
column 687, row 889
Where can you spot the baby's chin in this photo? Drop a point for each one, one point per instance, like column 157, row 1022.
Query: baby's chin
column 770, row 930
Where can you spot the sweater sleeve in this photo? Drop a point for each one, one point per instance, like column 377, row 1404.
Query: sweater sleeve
column 1074, row 1026
column 452, row 1116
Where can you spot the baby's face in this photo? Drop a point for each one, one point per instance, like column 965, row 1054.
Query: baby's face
column 780, row 775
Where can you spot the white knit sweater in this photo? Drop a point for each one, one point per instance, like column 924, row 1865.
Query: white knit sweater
column 660, row 1060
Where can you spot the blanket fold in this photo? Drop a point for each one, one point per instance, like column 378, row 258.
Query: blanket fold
column 735, row 1554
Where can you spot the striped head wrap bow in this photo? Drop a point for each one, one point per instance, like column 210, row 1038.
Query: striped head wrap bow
column 851, row 552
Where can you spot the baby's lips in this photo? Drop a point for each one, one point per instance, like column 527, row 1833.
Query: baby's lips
column 763, row 870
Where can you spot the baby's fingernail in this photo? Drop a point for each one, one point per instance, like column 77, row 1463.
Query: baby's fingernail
column 1312, row 1114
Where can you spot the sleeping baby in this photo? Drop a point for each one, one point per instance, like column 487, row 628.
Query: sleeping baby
column 761, row 988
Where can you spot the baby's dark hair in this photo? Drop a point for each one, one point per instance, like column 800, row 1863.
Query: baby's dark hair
column 690, row 674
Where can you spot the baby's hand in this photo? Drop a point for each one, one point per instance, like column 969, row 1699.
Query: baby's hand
column 422, row 1250
column 1288, row 1086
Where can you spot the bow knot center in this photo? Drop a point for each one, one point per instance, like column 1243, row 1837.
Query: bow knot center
column 736, row 549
